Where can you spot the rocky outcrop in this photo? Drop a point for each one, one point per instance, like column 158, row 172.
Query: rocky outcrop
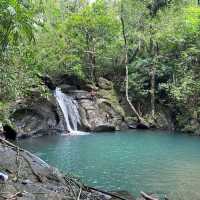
column 105, row 84
column 48, row 82
column 8, row 132
column 99, row 112
column 189, row 125
column 35, row 116
column 30, row 178
column 102, row 111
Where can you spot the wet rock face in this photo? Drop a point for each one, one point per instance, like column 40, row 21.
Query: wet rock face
column 70, row 80
column 102, row 112
column 34, row 117
column 99, row 112
column 9, row 132
column 48, row 82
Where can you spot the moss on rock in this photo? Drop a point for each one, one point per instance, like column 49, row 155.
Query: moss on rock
column 111, row 97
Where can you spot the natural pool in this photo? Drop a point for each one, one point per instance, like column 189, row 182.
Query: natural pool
column 157, row 162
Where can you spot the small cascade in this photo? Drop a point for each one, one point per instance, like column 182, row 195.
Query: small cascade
column 70, row 111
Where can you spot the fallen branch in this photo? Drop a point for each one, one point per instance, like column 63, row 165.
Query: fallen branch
column 79, row 195
column 107, row 193
column 71, row 184
column 147, row 197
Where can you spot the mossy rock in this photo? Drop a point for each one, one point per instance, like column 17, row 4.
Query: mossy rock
column 192, row 126
column 130, row 120
column 105, row 84
column 110, row 97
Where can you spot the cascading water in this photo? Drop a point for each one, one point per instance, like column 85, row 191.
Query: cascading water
column 70, row 111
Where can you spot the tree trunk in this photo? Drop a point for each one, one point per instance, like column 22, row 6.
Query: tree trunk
column 127, row 97
column 93, row 63
column 152, row 91
column 140, row 119
column 91, row 57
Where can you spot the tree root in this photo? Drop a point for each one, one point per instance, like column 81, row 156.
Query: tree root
column 18, row 149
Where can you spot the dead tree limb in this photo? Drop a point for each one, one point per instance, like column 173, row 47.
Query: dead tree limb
column 147, row 197
column 79, row 195
column 140, row 119
column 107, row 193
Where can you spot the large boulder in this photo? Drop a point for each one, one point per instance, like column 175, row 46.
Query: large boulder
column 163, row 120
column 191, row 126
column 104, row 128
column 131, row 122
column 9, row 132
column 103, row 113
column 35, row 116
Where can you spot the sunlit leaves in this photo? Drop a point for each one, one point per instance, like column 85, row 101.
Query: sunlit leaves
column 16, row 22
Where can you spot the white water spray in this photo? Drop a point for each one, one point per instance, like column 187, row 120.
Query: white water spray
column 70, row 111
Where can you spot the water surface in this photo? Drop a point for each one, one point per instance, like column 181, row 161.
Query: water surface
column 133, row 161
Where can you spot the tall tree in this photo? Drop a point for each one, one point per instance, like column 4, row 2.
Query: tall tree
column 140, row 119
column 92, row 32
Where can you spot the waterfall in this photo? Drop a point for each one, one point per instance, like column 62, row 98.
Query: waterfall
column 70, row 111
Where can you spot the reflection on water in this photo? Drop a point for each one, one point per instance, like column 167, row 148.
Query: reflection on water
column 133, row 161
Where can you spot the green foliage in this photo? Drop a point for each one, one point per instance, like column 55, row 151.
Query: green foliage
column 192, row 18
column 3, row 112
column 92, row 33
column 17, row 25
column 170, row 42
column 16, row 22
